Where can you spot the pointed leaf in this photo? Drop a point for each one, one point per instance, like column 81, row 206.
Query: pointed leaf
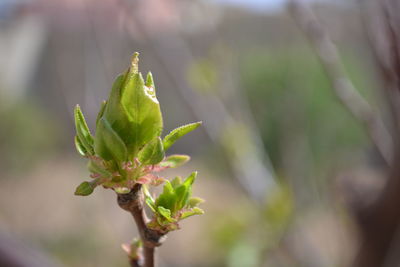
column 108, row 144
column 183, row 193
column 191, row 212
column 79, row 147
column 177, row 133
column 174, row 161
column 95, row 168
column 149, row 80
column 166, row 213
column 190, row 180
column 194, row 201
column 150, row 203
column 101, row 111
column 152, row 153
column 176, row 182
column 82, row 130
column 167, row 198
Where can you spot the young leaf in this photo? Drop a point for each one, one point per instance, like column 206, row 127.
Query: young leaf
column 79, row 147
column 82, row 130
column 152, row 153
column 174, row 161
column 85, row 189
column 189, row 181
column 149, row 80
column 194, row 201
column 177, row 133
column 94, row 168
column 108, row 144
column 148, row 199
column 101, row 112
column 166, row 213
column 151, row 204
column 191, row 212
column 183, row 193
column 176, row 182
column 167, row 198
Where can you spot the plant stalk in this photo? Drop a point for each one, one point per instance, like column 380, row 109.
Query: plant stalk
column 133, row 203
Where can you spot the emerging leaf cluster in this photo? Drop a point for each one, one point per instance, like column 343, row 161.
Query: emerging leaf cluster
column 174, row 204
column 127, row 147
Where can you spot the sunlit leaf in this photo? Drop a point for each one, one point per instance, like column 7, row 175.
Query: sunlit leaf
column 152, row 153
column 79, row 146
column 82, row 130
column 108, row 144
column 166, row 213
column 191, row 212
column 194, row 201
column 174, row 161
column 177, row 133
column 101, row 111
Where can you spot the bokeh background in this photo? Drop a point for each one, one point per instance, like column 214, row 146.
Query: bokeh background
column 273, row 154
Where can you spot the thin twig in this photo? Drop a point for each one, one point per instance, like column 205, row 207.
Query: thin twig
column 342, row 85
column 133, row 203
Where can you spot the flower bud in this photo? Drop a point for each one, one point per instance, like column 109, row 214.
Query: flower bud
column 132, row 115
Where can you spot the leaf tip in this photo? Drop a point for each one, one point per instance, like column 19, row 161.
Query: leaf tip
column 135, row 62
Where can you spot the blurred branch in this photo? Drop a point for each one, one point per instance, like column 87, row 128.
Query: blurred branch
column 375, row 36
column 380, row 222
column 342, row 85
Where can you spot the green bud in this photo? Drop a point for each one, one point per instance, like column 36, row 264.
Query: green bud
column 133, row 110
column 85, row 188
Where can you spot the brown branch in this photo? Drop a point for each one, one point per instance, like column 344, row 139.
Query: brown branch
column 343, row 87
column 381, row 56
column 133, row 203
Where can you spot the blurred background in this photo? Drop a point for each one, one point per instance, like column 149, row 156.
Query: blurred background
column 278, row 155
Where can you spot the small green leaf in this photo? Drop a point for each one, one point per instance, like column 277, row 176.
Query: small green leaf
column 167, row 198
column 194, row 201
column 177, row 133
column 176, row 182
column 108, row 144
column 85, row 189
column 183, row 193
column 174, row 161
column 101, row 112
column 191, row 212
column 148, row 199
column 149, row 80
column 122, row 190
column 190, row 180
column 166, row 213
column 82, row 130
column 95, row 168
column 79, row 147
column 152, row 153
column 151, row 204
